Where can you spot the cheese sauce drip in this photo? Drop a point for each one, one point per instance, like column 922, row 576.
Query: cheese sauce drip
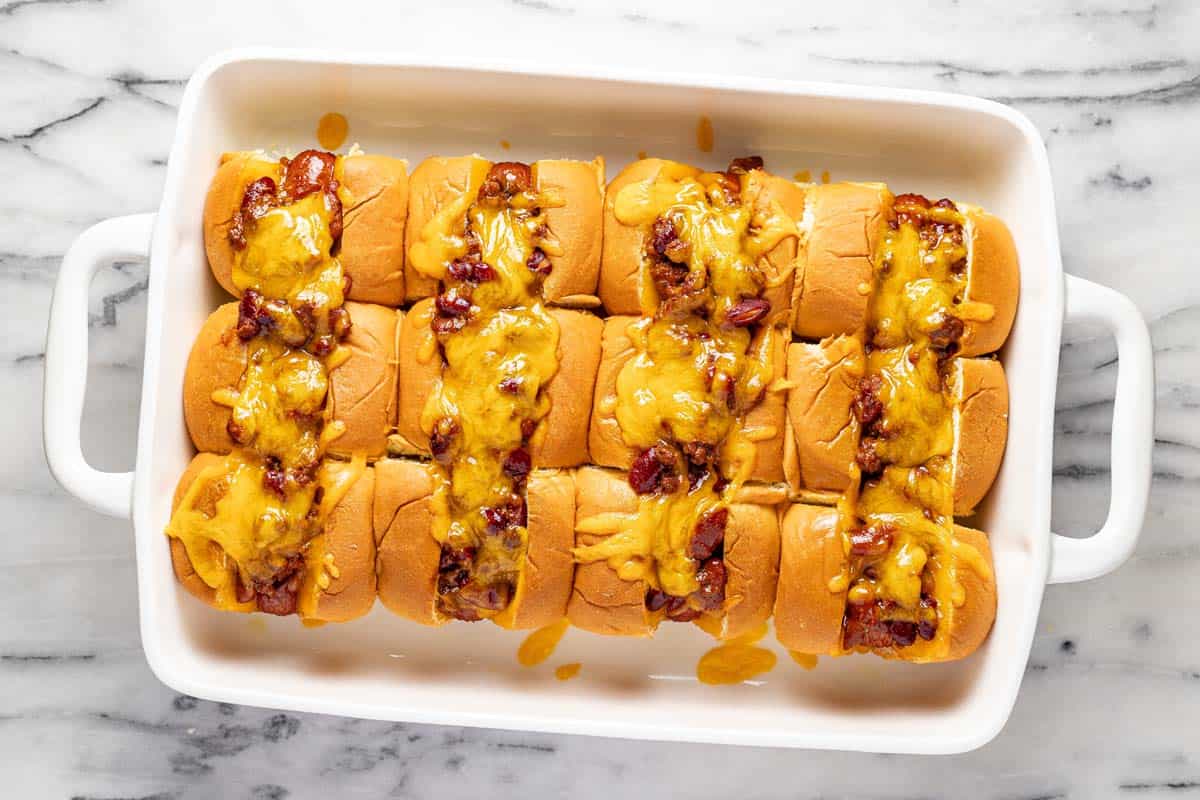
column 252, row 524
column 702, row 360
column 490, row 249
column 902, row 584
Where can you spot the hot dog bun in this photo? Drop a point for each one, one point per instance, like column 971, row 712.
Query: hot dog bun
column 375, row 204
column 824, row 380
column 808, row 613
column 409, row 555
column 846, row 224
column 347, row 544
column 602, row 602
column 765, row 423
column 625, row 246
column 574, row 190
column 362, row 389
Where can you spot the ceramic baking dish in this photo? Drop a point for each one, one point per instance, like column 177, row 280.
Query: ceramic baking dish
column 384, row 667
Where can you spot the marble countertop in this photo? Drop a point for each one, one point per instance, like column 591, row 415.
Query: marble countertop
column 1111, row 702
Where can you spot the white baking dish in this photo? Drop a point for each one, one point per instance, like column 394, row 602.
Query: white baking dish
column 384, row 667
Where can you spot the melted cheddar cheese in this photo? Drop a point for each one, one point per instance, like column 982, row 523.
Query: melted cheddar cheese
column 920, row 280
column 727, row 236
column 495, row 368
column 692, row 377
column 265, row 503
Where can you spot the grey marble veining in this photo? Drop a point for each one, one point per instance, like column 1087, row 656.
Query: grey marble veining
column 1110, row 706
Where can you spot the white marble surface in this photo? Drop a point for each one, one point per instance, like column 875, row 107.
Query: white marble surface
column 1111, row 700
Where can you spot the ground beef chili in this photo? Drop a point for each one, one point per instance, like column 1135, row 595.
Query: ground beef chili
column 310, row 171
column 654, row 471
column 278, row 594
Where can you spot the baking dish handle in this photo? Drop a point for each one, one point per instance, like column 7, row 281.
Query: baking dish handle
column 105, row 243
column 1132, row 436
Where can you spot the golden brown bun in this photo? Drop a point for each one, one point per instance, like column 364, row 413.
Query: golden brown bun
column 362, row 391
column 761, row 494
column 767, row 419
column 182, row 565
column 605, row 443
column 575, row 225
column 348, row 536
column 768, row 191
column 624, row 247
column 373, row 220
column 436, row 182
column 981, row 429
column 993, row 277
column 372, row 251
column 973, row 620
column 561, row 439
column 834, row 277
column 808, row 616
column 752, row 570
column 600, row 601
column 408, row 555
column 236, row 172
column 420, row 370
column 217, row 361
column 546, row 577
column 824, row 382
column 350, row 539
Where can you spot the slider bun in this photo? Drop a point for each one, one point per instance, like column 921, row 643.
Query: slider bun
column 350, row 539
column 751, row 568
column 435, row 183
column 376, row 203
column 216, row 361
column 362, row 390
column 575, row 225
column 347, row 535
column 561, row 439
column 825, row 432
column 981, row 429
column 808, row 616
column 236, row 171
column 544, row 586
column 779, row 265
column 600, row 601
column 180, row 561
column 605, row 443
column 421, row 370
column 408, row 555
column 625, row 247
column 993, row 277
column 372, row 250
column 972, row 621
column 834, row 277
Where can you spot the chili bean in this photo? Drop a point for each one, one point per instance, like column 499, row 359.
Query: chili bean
column 708, row 534
column 748, row 311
